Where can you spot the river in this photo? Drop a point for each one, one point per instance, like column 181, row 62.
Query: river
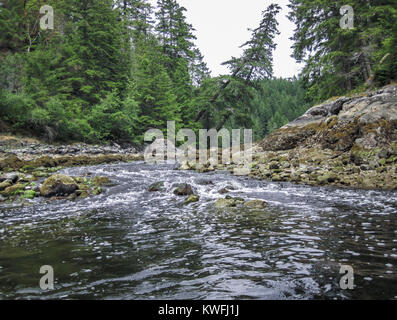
column 128, row 243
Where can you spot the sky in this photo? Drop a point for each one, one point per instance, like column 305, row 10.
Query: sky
column 222, row 27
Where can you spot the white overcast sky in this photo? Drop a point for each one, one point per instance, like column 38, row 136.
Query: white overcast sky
column 221, row 27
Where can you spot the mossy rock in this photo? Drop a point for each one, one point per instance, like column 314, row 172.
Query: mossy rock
column 192, row 198
column 96, row 191
column 156, row 187
column 41, row 174
column 45, row 161
column 328, row 177
column 58, row 185
column 257, row 204
column 225, row 203
column 276, row 178
column 5, row 184
column 184, row 189
column 100, row 181
column 29, row 167
column 29, row 194
column 228, row 202
column 274, row 165
column 13, row 190
column 11, row 162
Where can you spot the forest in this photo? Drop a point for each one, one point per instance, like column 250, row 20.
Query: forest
column 110, row 70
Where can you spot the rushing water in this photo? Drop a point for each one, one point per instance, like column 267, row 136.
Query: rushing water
column 128, row 243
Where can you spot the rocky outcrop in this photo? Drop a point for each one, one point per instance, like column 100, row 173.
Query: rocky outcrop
column 367, row 121
column 350, row 141
column 345, row 142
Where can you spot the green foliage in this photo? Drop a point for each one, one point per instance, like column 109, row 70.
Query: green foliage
column 112, row 69
column 339, row 60
column 109, row 118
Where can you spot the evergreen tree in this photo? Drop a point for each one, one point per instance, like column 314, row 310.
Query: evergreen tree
column 338, row 60
column 152, row 88
column 94, row 34
column 255, row 63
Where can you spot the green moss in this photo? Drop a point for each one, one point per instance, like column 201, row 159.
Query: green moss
column 96, row 191
column 100, row 181
column 28, row 167
column 13, row 190
column 50, row 183
column 192, row 198
column 28, row 194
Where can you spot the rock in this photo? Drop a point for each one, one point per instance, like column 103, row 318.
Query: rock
column 184, row 166
column 28, row 194
column 228, row 202
column 2, row 199
column 241, row 171
column 183, row 190
column 13, row 190
column 276, row 178
column 100, row 181
column 192, row 198
column 11, row 176
column 58, row 185
column 382, row 162
column 367, row 120
column 274, row 165
column 223, row 191
column 12, row 162
column 326, row 177
column 5, row 184
column 46, row 162
column 205, row 182
column 384, row 154
column 225, row 203
column 27, row 178
column 285, row 165
column 257, row 204
column 365, row 167
column 96, row 191
column 156, row 187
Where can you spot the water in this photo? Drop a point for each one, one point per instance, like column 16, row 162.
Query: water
column 128, row 243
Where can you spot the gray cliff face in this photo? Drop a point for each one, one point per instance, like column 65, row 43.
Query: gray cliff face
column 376, row 106
column 367, row 122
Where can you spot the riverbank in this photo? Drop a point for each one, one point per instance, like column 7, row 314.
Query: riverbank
column 28, row 168
column 346, row 142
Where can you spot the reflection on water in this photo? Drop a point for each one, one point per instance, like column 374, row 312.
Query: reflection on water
column 128, row 243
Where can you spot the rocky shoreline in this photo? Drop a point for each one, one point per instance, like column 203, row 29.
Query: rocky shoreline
column 347, row 142
column 28, row 168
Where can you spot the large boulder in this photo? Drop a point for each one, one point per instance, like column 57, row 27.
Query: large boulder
column 256, row 204
column 228, row 202
column 58, row 185
column 366, row 121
